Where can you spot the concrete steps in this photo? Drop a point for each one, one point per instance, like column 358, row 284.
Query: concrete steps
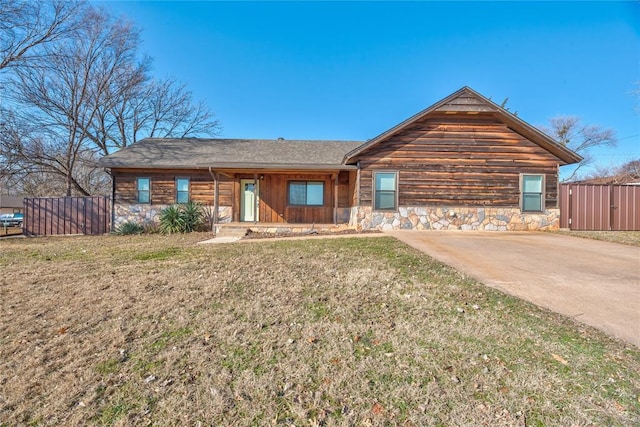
column 232, row 231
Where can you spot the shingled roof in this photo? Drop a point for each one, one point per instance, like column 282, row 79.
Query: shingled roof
column 190, row 153
column 11, row 201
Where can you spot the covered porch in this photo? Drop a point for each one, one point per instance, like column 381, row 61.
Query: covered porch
column 272, row 199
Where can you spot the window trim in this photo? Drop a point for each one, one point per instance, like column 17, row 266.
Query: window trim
column 138, row 178
column 395, row 191
column 177, row 192
column 542, row 193
column 305, row 182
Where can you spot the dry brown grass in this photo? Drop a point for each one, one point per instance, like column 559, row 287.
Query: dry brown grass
column 625, row 237
column 10, row 231
column 155, row 330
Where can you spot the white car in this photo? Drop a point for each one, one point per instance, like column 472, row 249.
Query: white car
column 11, row 220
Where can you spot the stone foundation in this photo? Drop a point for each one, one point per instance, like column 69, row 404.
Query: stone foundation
column 454, row 218
column 149, row 215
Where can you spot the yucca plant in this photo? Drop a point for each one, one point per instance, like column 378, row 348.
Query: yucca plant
column 182, row 218
column 193, row 216
column 129, row 227
column 171, row 220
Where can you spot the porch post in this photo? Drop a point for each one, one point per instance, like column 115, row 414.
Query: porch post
column 335, row 198
column 216, row 199
column 358, row 185
column 215, row 177
column 257, row 202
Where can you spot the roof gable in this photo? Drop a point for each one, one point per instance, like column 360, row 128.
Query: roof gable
column 468, row 101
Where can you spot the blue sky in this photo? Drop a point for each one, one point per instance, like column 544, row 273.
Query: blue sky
column 351, row 70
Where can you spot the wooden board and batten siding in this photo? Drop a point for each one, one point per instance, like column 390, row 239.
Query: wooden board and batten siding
column 459, row 160
column 274, row 204
column 163, row 186
column 273, row 192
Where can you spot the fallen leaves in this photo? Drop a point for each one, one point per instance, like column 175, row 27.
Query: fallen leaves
column 377, row 409
column 559, row 358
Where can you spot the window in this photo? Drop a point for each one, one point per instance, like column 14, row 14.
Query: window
column 143, row 189
column 532, row 198
column 385, row 189
column 306, row 193
column 182, row 190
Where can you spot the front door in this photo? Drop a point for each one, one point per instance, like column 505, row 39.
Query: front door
column 248, row 194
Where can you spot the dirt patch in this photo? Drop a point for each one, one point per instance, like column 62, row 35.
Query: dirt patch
column 156, row 330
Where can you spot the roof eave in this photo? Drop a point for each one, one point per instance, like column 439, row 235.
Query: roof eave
column 231, row 166
column 563, row 153
column 281, row 166
column 402, row 125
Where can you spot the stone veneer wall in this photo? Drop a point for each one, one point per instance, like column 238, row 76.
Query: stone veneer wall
column 454, row 218
column 150, row 214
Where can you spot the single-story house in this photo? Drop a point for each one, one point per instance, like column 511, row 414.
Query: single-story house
column 463, row 163
column 11, row 204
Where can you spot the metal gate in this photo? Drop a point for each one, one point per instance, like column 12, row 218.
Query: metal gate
column 66, row 215
column 600, row 207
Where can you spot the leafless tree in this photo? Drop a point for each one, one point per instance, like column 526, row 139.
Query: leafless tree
column 153, row 109
column 625, row 173
column 89, row 95
column 63, row 92
column 28, row 26
column 569, row 131
column 27, row 29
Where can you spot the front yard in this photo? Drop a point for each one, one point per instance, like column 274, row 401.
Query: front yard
column 155, row 330
column 625, row 237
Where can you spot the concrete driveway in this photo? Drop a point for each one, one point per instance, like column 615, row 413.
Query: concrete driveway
column 594, row 282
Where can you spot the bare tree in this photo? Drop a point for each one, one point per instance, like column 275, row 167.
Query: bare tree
column 628, row 172
column 153, row 109
column 569, row 131
column 63, row 92
column 28, row 26
column 87, row 96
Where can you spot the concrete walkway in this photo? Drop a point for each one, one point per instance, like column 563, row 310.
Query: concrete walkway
column 216, row 240
column 594, row 282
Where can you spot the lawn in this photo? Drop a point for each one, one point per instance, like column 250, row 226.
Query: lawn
column 625, row 237
column 10, row 231
column 156, row 330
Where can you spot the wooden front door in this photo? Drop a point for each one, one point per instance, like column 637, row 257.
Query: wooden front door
column 248, row 195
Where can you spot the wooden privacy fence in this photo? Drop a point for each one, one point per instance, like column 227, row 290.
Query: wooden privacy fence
column 600, row 207
column 66, row 215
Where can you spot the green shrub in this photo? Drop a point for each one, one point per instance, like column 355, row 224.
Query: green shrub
column 193, row 214
column 152, row 228
column 171, row 220
column 182, row 218
column 129, row 227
